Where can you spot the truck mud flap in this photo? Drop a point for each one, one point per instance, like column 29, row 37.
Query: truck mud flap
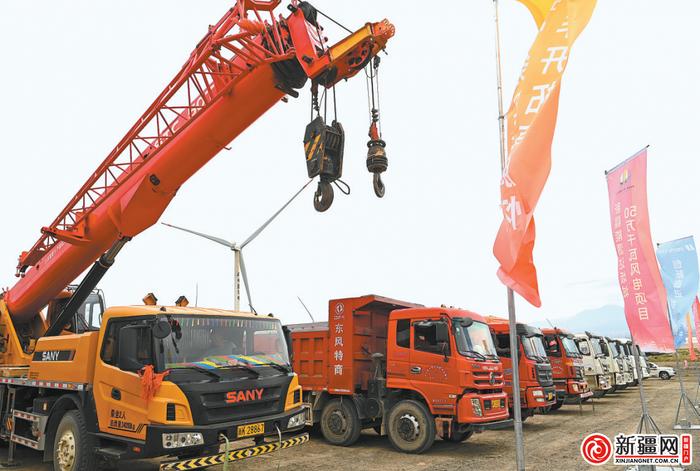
column 234, row 455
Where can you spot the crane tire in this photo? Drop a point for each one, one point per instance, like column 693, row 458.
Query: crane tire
column 73, row 448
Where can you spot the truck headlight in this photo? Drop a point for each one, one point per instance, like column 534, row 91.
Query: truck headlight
column 538, row 393
column 297, row 420
column 574, row 387
column 476, row 405
column 178, row 440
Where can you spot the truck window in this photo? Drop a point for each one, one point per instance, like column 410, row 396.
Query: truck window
column 551, row 344
column 425, row 340
column 403, row 333
column 503, row 345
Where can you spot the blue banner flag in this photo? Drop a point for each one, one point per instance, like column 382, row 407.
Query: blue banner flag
column 679, row 271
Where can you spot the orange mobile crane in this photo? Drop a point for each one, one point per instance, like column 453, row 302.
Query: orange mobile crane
column 80, row 384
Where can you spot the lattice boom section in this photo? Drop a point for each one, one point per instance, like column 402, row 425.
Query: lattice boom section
column 237, row 44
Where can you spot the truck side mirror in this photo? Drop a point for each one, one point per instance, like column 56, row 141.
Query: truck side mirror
column 128, row 353
column 288, row 339
column 442, row 333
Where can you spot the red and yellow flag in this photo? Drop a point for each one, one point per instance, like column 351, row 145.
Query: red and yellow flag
column 531, row 120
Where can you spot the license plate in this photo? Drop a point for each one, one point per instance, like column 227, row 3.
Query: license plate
column 550, row 396
column 586, row 394
column 250, row 430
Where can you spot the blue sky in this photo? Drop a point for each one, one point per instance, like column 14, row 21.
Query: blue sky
column 78, row 74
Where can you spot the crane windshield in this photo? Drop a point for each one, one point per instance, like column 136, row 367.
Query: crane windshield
column 212, row 342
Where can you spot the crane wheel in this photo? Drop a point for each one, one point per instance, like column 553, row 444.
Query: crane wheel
column 323, row 198
column 73, row 448
column 340, row 424
column 411, row 427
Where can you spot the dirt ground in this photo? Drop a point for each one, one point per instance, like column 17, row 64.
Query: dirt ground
column 551, row 441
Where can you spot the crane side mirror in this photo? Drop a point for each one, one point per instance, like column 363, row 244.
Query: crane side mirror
column 134, row 347
column 161, row 329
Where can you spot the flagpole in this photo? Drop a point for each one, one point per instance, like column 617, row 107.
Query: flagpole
column 517, row 416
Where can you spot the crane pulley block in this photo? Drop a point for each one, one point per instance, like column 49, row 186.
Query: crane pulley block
column 323, row 146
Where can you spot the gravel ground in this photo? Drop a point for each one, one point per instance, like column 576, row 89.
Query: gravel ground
column 551, row 441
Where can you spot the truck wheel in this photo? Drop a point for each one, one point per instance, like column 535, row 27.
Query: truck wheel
column 73, row 448
column 459, row 437
column 411, row 427
column 340, row 424
column 557, row 405
column 664, row 375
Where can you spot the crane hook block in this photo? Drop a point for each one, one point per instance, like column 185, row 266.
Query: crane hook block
column 377, row 163
column 323, row 147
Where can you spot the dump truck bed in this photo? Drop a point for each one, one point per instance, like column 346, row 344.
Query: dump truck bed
column 336, row 355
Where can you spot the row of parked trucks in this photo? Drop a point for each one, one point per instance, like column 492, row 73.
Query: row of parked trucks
column 415, row 373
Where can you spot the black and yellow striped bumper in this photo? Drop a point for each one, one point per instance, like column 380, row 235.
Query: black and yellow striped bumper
column 234, row 455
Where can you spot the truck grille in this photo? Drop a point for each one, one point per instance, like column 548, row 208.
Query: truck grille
column 211, row 405
column 544, row 375
column 488, row 378
column 578, row 372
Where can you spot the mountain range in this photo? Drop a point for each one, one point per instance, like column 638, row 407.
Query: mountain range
column 606, row 320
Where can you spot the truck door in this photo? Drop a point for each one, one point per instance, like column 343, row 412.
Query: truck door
column 432, row 368
column 120, row 408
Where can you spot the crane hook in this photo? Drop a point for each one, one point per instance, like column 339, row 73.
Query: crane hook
column 377, row 162
column 323, row 198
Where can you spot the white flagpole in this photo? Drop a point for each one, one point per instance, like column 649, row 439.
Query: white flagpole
column 517, row 416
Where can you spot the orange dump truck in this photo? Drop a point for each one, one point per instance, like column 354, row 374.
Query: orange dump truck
column 408, row 371
column 567, row 366
column 537, row 392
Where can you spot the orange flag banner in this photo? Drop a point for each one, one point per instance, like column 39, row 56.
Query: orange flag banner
column 531, row 120
column 538, row 8
column 691, row 349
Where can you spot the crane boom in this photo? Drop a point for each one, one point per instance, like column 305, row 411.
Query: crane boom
column 245, row 63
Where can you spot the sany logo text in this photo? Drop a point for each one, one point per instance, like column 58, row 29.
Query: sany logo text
column 233, row 397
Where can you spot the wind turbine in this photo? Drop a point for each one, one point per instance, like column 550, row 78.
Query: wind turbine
column 239, row 263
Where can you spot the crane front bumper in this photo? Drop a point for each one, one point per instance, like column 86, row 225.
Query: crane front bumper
column 233, row 455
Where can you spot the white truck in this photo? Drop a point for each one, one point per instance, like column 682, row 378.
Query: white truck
column 623, row 362
column 595, row 368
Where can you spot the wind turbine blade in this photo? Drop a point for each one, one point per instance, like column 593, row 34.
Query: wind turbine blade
column 245, row 282
column 267, row 223
column 307, row 309
column 228, row 244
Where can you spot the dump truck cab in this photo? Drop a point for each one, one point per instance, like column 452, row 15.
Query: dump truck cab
column 154, row 381
column 408, row 371
column 595, row 365
column 646, row 373
column 567, row 366
column 623, row 361
column 617, row 379
column 537, row 390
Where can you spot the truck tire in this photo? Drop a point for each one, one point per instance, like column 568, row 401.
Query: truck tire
column 459, row 437
column 73, row 447
column 557, row 405
column 410, row 427
column 340, row 424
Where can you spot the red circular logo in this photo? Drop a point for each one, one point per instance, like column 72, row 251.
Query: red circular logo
column 596, row 449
